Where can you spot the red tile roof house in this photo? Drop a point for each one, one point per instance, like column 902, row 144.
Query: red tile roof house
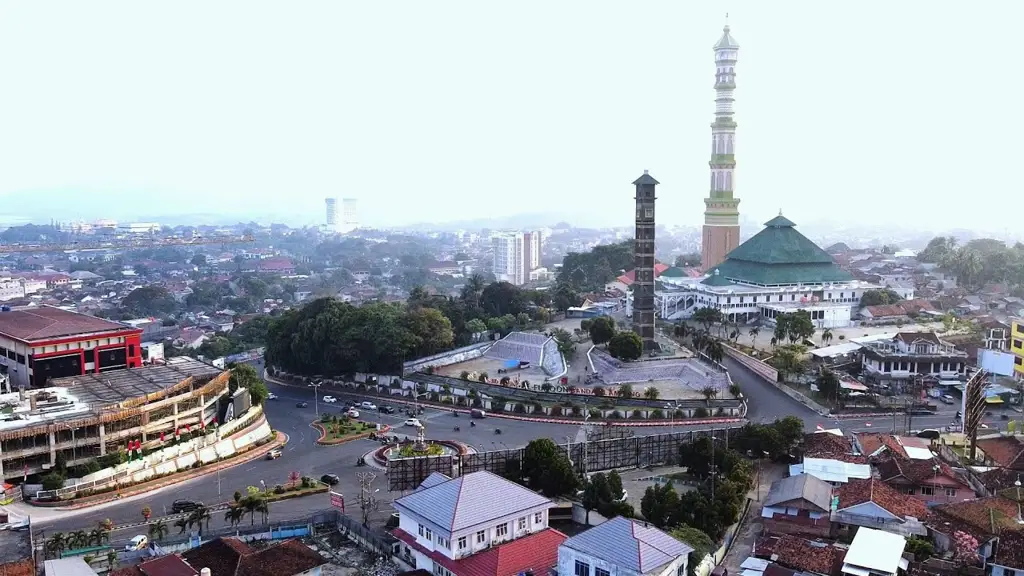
column 232, row 557
column 798, row 554
column 623, row 547
column 1003, row 451
column 622, row 283
column 871, row 503
column 800, row 505
column 931, row 481
column 475, row 525
column 983, row 518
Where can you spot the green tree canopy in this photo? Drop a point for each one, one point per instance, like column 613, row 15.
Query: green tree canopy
column 626, row 345
column 546, row 469
column 149, row 301
column 590, row 271
column 879, row 297
column 602, row 329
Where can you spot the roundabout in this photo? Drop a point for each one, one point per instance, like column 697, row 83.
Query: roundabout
column 414, row 448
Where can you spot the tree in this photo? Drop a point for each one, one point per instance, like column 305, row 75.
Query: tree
column 651, row 393
column 921, row 549
column 546, row 469
column 563, row 339
column 826, row 336
column 753, row 333
column 199, row 260
column 564, row 296
column 475, row 326
column 430, row 330
column 602, row 329
column 242, row 376
column 799, row 325
column 701, row 543
column 56, row 544
column 97, row 536
column 591, row 271
column 688, row 260
column 158, row 530
column 965, row 549
column 709, row 393
column 234, row 515
column 882, row 297
column 659, row 504
column 707, row 317
column 626, row 345
column 829, row 384
column 149, row 301
column 500, row 298
column 111, row 559
column 200, row 517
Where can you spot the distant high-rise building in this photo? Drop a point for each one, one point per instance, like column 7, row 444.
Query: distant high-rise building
column 643, row 261
column 721, row 233
column 516, row 254
column 349, row 215
column 331, row 222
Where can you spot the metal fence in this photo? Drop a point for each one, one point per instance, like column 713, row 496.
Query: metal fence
column 586, row 457
column 363, row 536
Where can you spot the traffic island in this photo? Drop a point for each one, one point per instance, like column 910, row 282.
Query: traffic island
column 335, row 431
column 289, row 492
column 116, row 493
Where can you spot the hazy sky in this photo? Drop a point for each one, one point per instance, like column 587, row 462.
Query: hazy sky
column 902, row 113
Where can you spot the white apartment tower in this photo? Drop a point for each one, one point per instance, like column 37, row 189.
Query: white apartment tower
column 331, row 221
column 349, row 215
column 516, row 254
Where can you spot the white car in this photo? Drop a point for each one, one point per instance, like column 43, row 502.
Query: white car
column 271, row 396
column 368, row 406
column 353, row 413
column 413, row 422
column 137, row 543
column 330, row 399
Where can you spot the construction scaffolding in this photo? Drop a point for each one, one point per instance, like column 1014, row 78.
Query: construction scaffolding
column 586, row 457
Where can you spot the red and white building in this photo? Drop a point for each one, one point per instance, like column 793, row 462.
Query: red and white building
column 42, row 342
column 479, row 524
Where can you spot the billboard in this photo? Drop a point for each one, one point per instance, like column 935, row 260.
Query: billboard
column 996, row 361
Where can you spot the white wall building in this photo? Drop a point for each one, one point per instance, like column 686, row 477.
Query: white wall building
column 349, row 215
column 331, row 214
column 139, row 228
column 516, row 255
column 623, row 547
column 911, row 354
column 448, row 524
column 11, row 289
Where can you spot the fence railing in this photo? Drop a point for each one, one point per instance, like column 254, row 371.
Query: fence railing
column 364, row 537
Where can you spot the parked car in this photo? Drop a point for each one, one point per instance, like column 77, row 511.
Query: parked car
column 301, row 404
column 271, row 396
column 413, row 422
column 930, row 434
column 330, row 399
column 386, row 409
column 274, row 454
column 368, row 406
column 139, row 542
column 477, row 413
column 353, row 413
column 330, row 479
column 180, row 506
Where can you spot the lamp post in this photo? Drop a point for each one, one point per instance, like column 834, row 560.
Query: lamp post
column 316, row 396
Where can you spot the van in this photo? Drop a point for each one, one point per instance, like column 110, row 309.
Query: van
column 947, row 399
column 477, row 413
column 137, row 543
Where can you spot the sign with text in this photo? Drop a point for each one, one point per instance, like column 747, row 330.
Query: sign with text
column 338, row 501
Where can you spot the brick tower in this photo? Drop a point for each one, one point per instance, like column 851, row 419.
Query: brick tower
column 643, row 262
column 721, row 233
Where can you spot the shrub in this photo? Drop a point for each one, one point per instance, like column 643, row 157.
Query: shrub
column 519, row 408
column 595, row 413
column 278, row 489
column 576, row 410
column 598, row 390
column 537, row 408
column 734, row 389
column 657, row 413
column 700, row 412
column 615, row 415
column 637, row 415
column 556, row 410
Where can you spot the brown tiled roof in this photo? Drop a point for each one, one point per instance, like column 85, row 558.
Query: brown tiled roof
column 169, row 565
column 289, row 557
column 43, row 322
column 857, row 492
column 827, row 445
column 980, row 517
column 911, row 337
column 998, row 479
column 871, row 442
column 799, row 554
column 916, row 471
column 1004, row 451
column 18, row 568
column 1010, row 551
column 222, row 556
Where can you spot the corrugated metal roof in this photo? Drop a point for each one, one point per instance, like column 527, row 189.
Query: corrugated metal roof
column 434, row 479
column 629, row 544
column 831, row 470
column 876, row 550
column 470, row 500
column 803, row 486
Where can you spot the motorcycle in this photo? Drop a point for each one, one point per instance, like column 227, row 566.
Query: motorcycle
column 454, row 413
column 472, row 424
column 457, row 428
column 360, row 462
column 497, row 430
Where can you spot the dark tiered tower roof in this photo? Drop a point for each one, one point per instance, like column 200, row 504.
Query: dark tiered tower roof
column 778, row 255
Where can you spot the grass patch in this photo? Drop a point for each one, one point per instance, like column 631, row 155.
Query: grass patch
column 338, row 429
column 409, row 450
column 294, row 492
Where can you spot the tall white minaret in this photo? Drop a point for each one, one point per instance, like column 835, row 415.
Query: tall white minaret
column 721, row 233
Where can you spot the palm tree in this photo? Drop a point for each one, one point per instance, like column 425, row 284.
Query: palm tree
column 57, row 543
column 826, row 336
column 234, row 515
column 715, row 351
column 709, row 392
column 251, row 505
column 183, row 524
column 200, row 516
column 98, row 536
column 263, row 507
column 651, row 393
column 78, row 539
column 158, row 530
column 753, row 333
column 111, row 559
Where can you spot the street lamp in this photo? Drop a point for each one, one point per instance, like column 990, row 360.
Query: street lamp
column 674, row 407
column 316, row 396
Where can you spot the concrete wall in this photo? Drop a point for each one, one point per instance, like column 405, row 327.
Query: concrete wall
column 447, row 358
column 758, row 367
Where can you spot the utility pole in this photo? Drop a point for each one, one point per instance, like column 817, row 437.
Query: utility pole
column 316, row 404
column 368, row 502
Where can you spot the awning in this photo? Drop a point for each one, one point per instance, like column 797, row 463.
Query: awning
column 993, row 400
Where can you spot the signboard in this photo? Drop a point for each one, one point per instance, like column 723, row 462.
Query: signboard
column 338, row 501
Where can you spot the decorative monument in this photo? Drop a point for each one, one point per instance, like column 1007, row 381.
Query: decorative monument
column 643, row 262
column 421, row 440
column 721, row 233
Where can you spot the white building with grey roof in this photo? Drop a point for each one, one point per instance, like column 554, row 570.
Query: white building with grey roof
column 623, row 547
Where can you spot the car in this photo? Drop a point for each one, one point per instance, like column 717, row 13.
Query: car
column 139, row 542
column 271, row 396
column 274, row 454
column 386, row 409
column 477, row 413
column 413, row 422
column 368, row 406
column 352, row 413
column 930, row 434
column 330, row 479
column 330, row 399
column 301, row 404
column 180, row 506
